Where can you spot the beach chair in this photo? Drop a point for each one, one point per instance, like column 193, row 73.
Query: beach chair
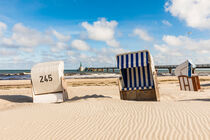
column 187, row 80
column 139, row 79
column 48, row 84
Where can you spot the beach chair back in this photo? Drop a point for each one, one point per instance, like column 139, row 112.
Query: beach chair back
column 47, row 77
column 187, row 80
column 138, row 71
column 185, row 69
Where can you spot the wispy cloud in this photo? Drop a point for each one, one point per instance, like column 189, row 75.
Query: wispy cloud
column 80, row 45
column 179, row 48
column 142, row 34
column 166, row 22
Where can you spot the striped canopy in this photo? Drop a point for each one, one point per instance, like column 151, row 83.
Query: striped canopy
column 185, row 68
column 136, row 69
column 134, row 59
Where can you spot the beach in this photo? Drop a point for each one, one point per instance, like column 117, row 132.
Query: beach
column 94, row 111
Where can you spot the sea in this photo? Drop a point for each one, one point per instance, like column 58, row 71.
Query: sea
column 25, row 74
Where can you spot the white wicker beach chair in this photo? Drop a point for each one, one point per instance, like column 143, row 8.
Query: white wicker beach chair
column 48, row 85
column 139, row 80
column 187, row 80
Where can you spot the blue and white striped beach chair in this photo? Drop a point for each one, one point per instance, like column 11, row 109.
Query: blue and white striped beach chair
column 187, row 80
column 138, row 81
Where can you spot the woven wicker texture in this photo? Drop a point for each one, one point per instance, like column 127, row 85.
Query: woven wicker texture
column 46, row 77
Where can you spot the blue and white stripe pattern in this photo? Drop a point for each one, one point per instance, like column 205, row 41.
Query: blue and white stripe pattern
column 136, row 70
column 137, row 59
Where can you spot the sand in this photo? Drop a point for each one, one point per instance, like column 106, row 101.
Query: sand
column 94, row 111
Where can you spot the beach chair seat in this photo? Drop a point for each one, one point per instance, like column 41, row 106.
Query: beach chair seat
column 187, row 80
column 139, row 79
column 48, row 84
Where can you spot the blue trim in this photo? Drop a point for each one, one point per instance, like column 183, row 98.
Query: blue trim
column 127, row 61
column 148, row 70
column 144, row 77
column 130, row 77
column 134, row 75
column 139, row 73
column 122, row 62
column 124, row 74
column 149, row 80
column 137, row 60
column 118, row 62
column 142, row 59
column 189, row 70
column 131, row 60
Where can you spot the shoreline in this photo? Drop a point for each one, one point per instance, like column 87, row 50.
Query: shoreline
column 82, row 75
column 10, row 84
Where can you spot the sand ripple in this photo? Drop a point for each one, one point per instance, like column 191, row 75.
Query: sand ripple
column 96, row 112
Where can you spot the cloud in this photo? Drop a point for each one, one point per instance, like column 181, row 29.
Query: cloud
column 26, row 49
column 70, row 52
column 102, row 30
column 166, row 22
column 7, row 41
column 60, row 36
column 80, row 45
column 3, row 27
column 113, row 43
column 173, row 40
column 59, row 46
column 27, row 37
column 95, row 57
column 196, row 13
column 142, row 34
column 6, row 52
column 180, row 48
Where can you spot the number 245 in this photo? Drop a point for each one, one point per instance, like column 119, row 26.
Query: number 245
column 46, row 78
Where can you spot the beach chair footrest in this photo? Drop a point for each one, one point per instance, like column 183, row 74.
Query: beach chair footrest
column 49, row 98
column 139, row 95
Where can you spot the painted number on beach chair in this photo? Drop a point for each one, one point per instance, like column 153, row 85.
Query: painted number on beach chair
column 46, row 78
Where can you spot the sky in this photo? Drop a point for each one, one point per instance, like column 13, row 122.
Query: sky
column 95, row 31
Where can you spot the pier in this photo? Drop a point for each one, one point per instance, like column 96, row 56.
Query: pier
column 157, row 67
column 102, row 69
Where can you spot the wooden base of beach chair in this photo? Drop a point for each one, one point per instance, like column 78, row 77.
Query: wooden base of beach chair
column 57, row 97
column 49, row 98
column 139, row 95
column 189, row 83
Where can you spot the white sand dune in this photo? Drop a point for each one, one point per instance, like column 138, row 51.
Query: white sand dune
column 96, row 112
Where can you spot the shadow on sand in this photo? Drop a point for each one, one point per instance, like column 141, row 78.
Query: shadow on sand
column 16, row 98
column 205, row 85
column 88, row 97
column 207, row 100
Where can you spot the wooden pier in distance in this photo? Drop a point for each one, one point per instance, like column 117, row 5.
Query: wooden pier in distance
column 102, row 69
column 169, row 67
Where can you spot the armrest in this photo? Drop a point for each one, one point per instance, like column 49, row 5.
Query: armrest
column 121, row 84
column 64, row 85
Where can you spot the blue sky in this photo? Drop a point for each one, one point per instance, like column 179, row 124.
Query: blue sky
column 93, row 31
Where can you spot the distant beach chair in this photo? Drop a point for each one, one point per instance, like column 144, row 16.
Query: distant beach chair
column 139, row 79
column 187, row 80
column 48, row 85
